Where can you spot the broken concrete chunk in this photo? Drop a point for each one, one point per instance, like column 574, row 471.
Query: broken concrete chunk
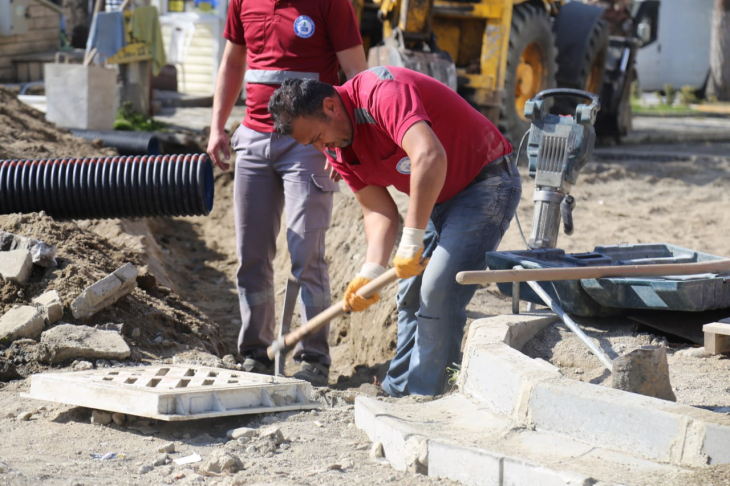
column 105, row 292
column 67, row 341
column 16, row 265
column 100, row 417
column 241, row 432
column 42, row 254
column 24, row 321
column 222, row 461
column 644, row 371
column 51, row 302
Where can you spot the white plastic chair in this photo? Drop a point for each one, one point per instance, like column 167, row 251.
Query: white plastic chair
column 181, row 36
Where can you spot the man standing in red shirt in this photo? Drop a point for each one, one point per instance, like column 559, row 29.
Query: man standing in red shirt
column 274, row 40
column 392, row 126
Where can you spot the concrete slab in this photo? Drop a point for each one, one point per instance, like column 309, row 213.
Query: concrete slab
column 25, row 321
column 173, row 393
column 16, row 265
column 71, row 341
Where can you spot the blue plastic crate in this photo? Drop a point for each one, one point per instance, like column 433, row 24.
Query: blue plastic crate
column 611, row 296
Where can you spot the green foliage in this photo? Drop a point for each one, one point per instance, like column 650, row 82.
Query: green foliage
column 130, row 119
column 687, row 95
column 453, row 373
column 670, row 94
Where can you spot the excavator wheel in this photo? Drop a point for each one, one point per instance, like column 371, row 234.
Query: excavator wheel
column 531, row 68
column 582, row 39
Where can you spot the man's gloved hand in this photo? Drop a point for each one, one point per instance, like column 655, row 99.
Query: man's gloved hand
column 352, row 301
column 408, row 259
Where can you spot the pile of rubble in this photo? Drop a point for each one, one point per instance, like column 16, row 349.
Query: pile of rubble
column 69, row 297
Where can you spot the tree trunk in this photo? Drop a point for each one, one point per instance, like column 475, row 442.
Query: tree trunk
column 719, row 81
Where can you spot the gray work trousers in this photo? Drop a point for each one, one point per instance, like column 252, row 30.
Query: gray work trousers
column 274, row 172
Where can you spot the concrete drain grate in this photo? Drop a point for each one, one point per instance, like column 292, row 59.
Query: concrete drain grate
column 174, row 393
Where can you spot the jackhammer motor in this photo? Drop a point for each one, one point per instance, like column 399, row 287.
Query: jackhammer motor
column 558, row 148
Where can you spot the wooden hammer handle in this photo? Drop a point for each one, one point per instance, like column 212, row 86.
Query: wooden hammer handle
column 320, row 320
column 576, row 273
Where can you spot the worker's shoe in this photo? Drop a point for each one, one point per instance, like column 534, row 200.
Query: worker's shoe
column 252, row 365
column 315, row 373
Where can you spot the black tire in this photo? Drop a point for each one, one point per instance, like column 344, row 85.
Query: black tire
column 582, row 39
column 530, row 32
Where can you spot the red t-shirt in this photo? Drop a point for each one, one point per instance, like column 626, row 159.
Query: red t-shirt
column 383, row 103
column 289, row 35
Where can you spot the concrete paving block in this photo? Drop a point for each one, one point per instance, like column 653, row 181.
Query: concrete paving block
column 67, row 341
column 24, row 321
column 51, row 302
column 16, row 265
column 105, row 292
column 468, row 465
column 174, row 393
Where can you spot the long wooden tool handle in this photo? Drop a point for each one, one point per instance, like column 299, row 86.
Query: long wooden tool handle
column 321, row 319
column 575, row 273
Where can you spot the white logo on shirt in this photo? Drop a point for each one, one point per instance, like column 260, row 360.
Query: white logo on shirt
column 404, row 166
column 304, row 27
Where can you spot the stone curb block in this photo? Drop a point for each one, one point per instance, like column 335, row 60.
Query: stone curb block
column 391, row 433
column 521, row 387
column 477, row 467
column 24, row 321
column 16, row 265
column 445, row 459
column 105, row 292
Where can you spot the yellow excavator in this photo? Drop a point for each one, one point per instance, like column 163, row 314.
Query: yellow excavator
column 498, row 54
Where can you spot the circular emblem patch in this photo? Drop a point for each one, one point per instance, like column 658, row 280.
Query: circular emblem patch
column 404, row 166
column 304, row 27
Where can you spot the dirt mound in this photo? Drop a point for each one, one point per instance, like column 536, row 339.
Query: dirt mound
column 24, row 134
column 166, row 323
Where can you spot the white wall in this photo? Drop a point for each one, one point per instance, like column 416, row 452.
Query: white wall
column 681, row 55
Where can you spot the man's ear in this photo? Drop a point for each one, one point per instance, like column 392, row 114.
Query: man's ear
column 329, row 106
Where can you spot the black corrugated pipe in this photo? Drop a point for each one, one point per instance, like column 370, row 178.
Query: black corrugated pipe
column 108, row 187
column 127, row 143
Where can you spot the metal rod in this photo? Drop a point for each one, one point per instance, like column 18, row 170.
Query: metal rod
column 570, row 323
column 515, row 298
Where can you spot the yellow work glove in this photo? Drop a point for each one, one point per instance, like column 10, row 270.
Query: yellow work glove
column 408, row 261
column 352, row 301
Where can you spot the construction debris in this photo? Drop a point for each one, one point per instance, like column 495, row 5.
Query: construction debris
column 105, row 292
column 24, row 321
column 644, row 371
column 69, row 341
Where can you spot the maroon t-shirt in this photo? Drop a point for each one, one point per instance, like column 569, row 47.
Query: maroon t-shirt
column 289, row 35
column 383, row 103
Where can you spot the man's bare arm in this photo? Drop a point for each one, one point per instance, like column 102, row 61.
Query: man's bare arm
column 428, row 172
column 352, row 60
column 381, row 223
column 227, row 89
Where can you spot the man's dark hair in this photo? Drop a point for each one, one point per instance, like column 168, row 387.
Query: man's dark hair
column 298, row 98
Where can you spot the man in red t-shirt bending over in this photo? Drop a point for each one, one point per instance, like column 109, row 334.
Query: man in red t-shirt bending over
column 278, row 41
column 392, row 126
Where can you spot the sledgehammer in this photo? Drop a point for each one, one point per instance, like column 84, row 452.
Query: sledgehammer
column 320, row 320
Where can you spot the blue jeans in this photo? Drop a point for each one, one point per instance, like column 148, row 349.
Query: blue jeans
column 432, row 306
